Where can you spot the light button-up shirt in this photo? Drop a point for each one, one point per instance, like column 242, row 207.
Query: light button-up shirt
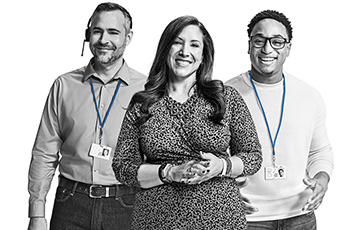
column 70, row 125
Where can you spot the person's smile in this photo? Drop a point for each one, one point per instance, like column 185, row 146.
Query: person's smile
column 181, row 62
column 267, row 60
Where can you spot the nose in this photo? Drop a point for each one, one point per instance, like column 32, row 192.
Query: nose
column 184, row 51
column 267, row 47
column 104, row 38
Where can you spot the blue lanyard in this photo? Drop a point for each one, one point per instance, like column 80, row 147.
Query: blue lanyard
column 102, row 123
column 263, row 111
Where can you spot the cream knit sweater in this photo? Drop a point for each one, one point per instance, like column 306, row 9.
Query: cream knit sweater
column 302, row 144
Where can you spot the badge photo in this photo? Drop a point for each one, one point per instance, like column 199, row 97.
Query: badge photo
column 100, row 151
column 275, row 173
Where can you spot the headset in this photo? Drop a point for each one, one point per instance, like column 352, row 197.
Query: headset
column 87, row 36
column 108, row 6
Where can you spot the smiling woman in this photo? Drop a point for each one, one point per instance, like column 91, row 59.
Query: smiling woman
column 184, row 122
column 184, row 58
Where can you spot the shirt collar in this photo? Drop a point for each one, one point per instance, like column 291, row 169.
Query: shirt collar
column 123, row 73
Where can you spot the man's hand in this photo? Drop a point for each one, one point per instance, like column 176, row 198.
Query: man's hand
column 37, row 223
column 248, row 208
column 319, row 185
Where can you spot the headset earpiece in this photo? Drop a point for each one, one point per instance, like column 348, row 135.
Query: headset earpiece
column 87, row 34
column 88, row 31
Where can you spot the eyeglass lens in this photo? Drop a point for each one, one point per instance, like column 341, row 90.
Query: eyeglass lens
column 275, row 42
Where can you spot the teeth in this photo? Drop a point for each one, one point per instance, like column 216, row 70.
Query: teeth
column 182, row 62
column 267, row 59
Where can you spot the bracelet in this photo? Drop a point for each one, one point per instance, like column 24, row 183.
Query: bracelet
column 229, row 166
column 223, row 171
column 163, row 172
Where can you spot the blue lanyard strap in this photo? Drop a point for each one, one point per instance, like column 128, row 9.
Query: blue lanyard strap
column 102, row 123
column 266, row 121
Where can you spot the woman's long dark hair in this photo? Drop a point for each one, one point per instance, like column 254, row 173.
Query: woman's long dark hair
column 157, row 82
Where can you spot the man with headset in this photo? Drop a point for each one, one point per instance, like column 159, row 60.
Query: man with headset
column 290, row 119
column 80, row 122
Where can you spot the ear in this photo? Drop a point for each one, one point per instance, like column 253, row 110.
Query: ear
column 288, row 48
column 129, row 37
column 248, row 47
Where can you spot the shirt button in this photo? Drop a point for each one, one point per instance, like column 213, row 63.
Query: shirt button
column 102, row 106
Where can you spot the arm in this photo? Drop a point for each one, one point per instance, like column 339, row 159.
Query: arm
column 128, row 164
column 244, row 142
column 127, row 157
column 44, row 159
column 245, row 147
column 320, row 163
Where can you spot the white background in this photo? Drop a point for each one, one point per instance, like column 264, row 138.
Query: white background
column 41, row 40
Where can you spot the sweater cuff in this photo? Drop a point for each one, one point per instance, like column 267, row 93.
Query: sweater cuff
column 324, row 167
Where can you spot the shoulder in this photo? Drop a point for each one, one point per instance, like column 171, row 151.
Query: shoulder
column 230, row 90
column 134, row 110
column 233, row 98
column 231, row 93
column 70, row 78
column 72, row 75
column 236, row 80
column 300, row 87
column 136, row 76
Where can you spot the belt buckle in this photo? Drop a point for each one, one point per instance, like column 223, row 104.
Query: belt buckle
column 91, row 189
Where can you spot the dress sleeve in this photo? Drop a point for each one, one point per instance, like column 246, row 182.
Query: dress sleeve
column 244, row 139
column 127, row 157
column 45, row 154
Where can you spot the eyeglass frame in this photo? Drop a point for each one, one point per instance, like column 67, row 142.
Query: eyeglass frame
column 269, row 39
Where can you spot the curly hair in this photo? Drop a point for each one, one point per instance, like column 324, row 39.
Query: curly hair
column 272, row 14
column 157, row 82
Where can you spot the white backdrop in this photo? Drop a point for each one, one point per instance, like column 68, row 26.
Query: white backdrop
column 42, row 39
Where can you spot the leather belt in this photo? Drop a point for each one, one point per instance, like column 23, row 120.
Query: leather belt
column 93, row 190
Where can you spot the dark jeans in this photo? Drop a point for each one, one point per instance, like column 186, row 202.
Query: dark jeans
column 302, row 222
column 80, row 212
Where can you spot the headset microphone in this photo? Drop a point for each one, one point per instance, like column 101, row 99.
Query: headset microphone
column 82, row 51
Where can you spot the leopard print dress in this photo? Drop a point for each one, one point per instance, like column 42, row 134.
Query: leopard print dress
column 175, row 133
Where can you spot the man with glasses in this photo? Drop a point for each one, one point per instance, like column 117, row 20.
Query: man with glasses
column 290, row 119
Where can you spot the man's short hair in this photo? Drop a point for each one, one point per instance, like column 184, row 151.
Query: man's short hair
column 109, row 6
column 271, row 14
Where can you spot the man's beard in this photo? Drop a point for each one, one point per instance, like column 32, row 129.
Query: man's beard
column 110, row 56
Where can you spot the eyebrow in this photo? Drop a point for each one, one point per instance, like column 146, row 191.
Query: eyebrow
column 194, row 40
column 275, row 36
column 108, row 29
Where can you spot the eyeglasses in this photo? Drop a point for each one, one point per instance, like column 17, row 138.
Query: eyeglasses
column 276, row 43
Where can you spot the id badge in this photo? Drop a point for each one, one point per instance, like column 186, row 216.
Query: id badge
column 275, row 173
column 100, row 151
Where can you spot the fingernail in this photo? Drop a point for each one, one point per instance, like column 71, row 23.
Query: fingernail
column 205, row 171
